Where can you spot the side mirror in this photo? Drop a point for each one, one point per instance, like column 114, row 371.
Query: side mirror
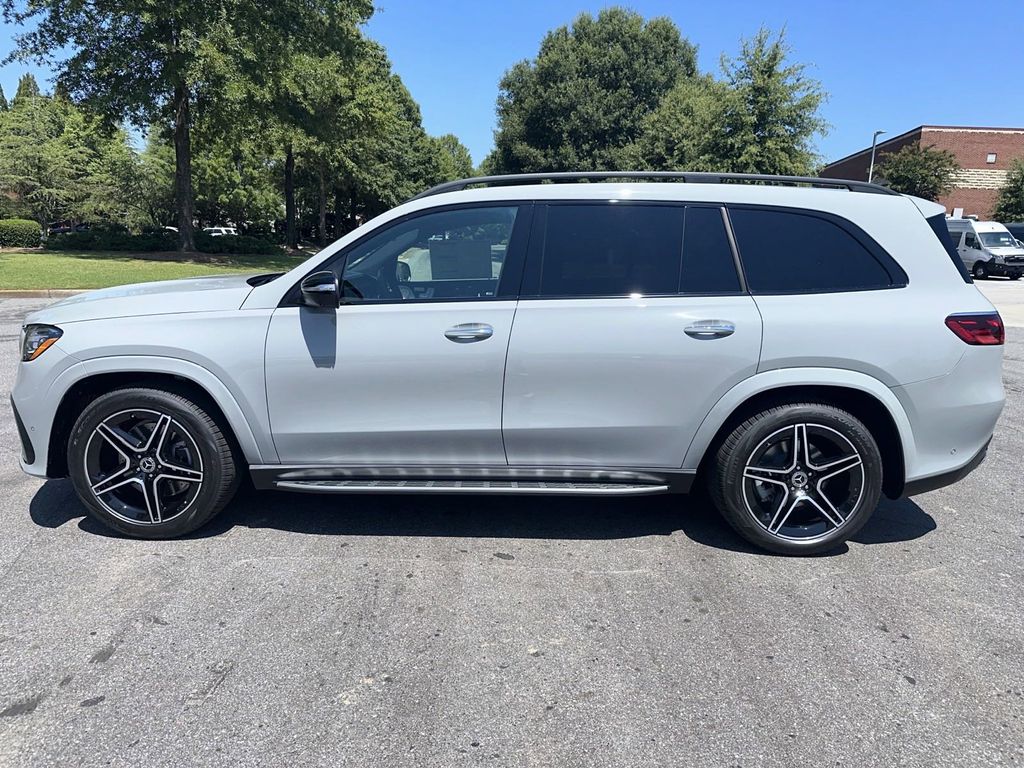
column 320, row 290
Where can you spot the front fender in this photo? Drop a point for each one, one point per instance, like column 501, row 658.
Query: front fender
column 256, row 446
column 801, row 377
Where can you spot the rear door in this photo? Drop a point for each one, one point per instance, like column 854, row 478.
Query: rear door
column 632, row 322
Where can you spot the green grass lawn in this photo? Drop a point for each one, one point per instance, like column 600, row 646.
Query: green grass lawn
column 26, row 270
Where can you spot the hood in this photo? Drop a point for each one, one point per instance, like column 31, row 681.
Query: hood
column 195, row 294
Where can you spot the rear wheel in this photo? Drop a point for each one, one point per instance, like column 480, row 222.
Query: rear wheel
column 798, row 478
column 980, row 270
column 150, row 463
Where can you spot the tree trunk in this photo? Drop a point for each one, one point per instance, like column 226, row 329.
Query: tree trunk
column 291, row 236
column 323, row 207
column 339, row 218
column 183, row 167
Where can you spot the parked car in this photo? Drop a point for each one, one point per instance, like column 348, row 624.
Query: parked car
column 66, row 227
column 987, row 248
column 798, row 350
column 219, row 231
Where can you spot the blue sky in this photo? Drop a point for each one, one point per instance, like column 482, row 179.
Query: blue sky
column 886, row 65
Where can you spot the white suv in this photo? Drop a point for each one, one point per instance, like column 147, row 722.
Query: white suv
column 801, row 346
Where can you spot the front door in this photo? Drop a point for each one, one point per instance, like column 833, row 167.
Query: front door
column 632, row 324
column 409, row 369
column 970, row 250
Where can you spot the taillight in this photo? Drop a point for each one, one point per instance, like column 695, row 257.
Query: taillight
column 982, row 328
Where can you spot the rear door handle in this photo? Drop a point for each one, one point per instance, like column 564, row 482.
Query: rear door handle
column 466, row 333
column 710, row 329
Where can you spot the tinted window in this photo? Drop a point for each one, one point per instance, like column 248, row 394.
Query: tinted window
column 455, row 254
column 950, row 240
column 611, row 250
column 970, row 241
column 708, row 265
column 786, row 252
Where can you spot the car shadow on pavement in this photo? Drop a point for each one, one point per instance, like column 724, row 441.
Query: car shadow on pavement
column 55, row 504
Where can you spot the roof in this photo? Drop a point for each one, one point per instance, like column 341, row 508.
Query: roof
column 920, row 129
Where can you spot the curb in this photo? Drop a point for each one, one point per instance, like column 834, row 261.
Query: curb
column 43, row 293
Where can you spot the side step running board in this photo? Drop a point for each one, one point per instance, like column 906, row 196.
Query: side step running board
column 471, row 486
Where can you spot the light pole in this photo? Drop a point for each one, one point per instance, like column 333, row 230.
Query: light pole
column 874, row 142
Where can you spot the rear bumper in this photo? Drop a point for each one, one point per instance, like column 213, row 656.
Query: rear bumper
column 925, row 484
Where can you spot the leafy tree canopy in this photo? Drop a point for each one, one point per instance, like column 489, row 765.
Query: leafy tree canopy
column 915, row 170
column 760, row 117
column 1010, row 205
column 28, row 88
column 586, row 94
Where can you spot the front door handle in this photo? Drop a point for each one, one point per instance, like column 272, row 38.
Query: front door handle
column 466, row 333
column 710, row 329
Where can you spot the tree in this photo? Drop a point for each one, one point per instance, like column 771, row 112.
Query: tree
column 129, row 62
column 3, row 101
column 771, row 117
column 584, row 98
column 1010, row 205
column 28, row 88
column 454, row 160
column 43, row 157
column 915, row 170
column 685, row 131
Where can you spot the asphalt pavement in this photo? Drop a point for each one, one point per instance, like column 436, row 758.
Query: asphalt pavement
column 432, row 631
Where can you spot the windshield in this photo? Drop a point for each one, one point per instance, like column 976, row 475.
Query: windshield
column 997, row 240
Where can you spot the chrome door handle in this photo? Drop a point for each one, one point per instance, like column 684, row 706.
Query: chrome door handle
column 465, row 333
column 710, row 329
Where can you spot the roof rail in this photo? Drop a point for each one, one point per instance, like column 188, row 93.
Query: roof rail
column 677, row 176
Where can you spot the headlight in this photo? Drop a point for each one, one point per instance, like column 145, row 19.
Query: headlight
column 36, row 339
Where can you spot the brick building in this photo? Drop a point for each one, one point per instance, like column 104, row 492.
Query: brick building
column 984, row 155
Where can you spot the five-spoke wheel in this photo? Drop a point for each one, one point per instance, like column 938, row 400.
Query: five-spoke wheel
column 143, row 466
column 797, row 478
column 150, row 463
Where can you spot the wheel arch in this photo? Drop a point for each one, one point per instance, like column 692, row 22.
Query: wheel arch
column 875, row 405
column 212, row 396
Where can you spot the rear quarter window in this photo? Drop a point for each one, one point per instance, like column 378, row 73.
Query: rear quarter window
column 949, row 241
column 795, row 252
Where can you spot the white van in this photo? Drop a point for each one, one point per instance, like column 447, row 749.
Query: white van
column 986, row 248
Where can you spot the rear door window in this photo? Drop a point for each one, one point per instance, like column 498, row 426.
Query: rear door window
column 795, row 252
column 607, row 250
column 708, row 262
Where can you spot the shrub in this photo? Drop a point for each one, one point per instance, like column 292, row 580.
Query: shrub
column 106, row 240
column 235, row 244
column 158, row 240
column 19, row 233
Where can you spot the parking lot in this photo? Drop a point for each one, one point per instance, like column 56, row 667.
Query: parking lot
column 384, row 631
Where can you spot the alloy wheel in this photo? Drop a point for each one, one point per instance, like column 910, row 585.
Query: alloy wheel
column 803, row 481
column 143, row 466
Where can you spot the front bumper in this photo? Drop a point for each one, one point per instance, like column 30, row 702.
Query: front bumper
column 28, row 452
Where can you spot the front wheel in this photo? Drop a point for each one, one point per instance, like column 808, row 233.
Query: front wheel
column 980, row 271
column 1015, row 276
column 798, row 479
column 150, row 464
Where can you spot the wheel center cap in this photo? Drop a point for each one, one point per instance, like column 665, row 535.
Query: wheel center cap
column 799, row 479
column 147, row 464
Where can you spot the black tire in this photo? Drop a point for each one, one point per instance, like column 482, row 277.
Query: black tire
column 193, row 450
column 826, row 505
column 980, row 270
column 1015, row 276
